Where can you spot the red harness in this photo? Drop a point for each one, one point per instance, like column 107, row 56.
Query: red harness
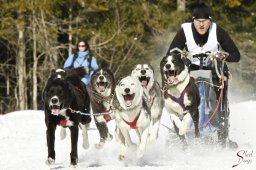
column 151, row 100
column 106, row 116
column 63, row 123
column 134, row 122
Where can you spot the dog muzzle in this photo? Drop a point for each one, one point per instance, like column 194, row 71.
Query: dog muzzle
column 55, row 106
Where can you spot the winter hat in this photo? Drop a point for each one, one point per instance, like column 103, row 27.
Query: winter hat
column 201, row 11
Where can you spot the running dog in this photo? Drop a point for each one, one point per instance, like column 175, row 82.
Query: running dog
column 102, row 88
column 132, row 112
column 145, row 74
column 181, row 95
column 64, row 96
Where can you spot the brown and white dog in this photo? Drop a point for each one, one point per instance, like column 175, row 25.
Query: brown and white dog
column 181, row 95
column 145, row 74
column 131, row 112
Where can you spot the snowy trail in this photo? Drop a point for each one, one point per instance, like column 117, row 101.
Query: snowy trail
column 23, row 146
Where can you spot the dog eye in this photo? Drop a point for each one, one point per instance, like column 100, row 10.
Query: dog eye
column 59, row 92
column 132, row 84
column 137, row 69
column 146, row 68
column 122, row 85
column 51, row 91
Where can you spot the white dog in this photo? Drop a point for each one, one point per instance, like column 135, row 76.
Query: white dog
column 131, row 112
column 145, row 74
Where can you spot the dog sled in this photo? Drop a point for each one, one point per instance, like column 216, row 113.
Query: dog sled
column 211, row 77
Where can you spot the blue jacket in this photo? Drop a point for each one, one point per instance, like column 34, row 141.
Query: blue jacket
column 82, row 61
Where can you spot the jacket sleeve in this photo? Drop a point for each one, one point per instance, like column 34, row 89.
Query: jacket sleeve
column 68, row 62
column 228, row 45
column 178, row 41
column 94, row 64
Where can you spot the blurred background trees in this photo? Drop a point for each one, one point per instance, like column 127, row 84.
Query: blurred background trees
column 37, row 36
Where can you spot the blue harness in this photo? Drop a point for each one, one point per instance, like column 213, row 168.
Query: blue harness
column 179, row 100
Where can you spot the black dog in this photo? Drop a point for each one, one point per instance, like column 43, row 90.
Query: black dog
column 64, row 96
column 181, row 95
column 102, row 89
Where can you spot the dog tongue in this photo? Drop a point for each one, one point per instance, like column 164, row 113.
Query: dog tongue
column 144, row 83
column 101, row 88
column 128, row 102
column 171, row 79
column 55, row 111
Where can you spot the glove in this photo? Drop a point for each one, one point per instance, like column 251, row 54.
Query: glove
column 221, row 55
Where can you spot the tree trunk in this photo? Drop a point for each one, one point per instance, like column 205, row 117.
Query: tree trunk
column 70, row 29
column 21, row 68
column 34, row 72
column 181, row 5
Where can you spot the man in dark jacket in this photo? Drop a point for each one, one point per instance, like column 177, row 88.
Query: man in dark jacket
column 201, row 36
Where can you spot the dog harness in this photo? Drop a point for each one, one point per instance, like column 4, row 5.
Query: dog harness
column 134, row 122
column 63, row 123
column 151, row 100
column 179, row 100
column 106, row 115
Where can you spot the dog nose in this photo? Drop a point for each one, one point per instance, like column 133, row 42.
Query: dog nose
column 167, row 66
column 127, row 90
column 101, row 77
column 143, row 72
column 54, row 100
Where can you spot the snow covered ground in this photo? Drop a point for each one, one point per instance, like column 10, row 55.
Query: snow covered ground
column 23, row 146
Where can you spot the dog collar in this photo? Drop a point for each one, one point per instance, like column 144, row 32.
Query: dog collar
column 134, row 122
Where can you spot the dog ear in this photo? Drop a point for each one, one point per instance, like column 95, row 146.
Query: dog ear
column 151, row 67
column 185, row 60
column 119, row 79
column 53, row 72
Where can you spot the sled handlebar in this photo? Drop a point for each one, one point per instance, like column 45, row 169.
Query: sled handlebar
column 212, row 56
column 219, row 55
column 216, row 56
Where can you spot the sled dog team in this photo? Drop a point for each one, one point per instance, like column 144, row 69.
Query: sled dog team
column 134, row 102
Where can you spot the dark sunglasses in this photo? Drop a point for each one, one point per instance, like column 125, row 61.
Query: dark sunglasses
column 81, row 45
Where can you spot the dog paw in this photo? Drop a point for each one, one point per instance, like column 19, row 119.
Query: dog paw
column 109, row 137
column 99, row 145
column 121, row 157
column 73, row 166
column 50, row 161
column 198, row 141
column 73, row 162
column 183, row 129
column 86, row 145
column 139, row 153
